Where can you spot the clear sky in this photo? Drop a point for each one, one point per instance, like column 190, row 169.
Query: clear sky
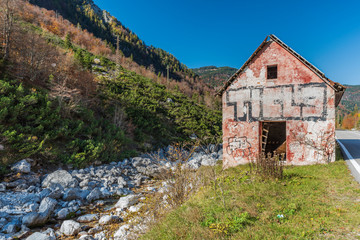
column 225, row 33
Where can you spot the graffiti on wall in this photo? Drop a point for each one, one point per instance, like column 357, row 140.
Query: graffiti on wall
column 238, row 147
column 278, row 103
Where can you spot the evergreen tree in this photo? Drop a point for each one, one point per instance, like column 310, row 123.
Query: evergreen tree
column 68, row 43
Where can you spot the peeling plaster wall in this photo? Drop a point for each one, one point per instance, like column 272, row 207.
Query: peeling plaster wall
column 298, row 96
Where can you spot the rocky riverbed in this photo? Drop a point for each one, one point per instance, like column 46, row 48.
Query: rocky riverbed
column 87, row 203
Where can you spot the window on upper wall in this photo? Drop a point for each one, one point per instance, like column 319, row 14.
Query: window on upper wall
column 272, row 72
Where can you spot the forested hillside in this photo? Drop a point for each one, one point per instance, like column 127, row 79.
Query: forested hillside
column 65, row 100
column 97, row 25
column 350, row 99
column 215, row 76
column 86, row 15
column 348, row 113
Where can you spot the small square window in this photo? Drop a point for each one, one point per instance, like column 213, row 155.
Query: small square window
column 272, row 72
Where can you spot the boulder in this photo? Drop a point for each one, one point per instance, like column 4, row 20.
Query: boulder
column 122, row 232
column 87, row 218
column 108, row 219
column 50, row 232
column 121, row 182
column 100, row 235
column 47, row 206
column 32, row 207
column 125, row 202
column 72, row 194
column 23, row 166
column 63, row 213
column 56, row 193
column 194, row 164
column 86, row 237
column 60, row 177
column 44, row 193
column 70, row 228
column 208, row 161
column 34, row 219
column 95, row 230
column 11, row 228
column 95, row 194
column 2, row 187
column 39, row 236
column 16, row 183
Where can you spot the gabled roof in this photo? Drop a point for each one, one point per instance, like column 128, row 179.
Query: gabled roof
column 339, row 89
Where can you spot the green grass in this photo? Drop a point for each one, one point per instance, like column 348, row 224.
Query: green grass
column 311, row 202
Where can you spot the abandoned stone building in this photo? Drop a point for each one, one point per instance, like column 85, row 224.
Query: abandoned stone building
column 278, row 101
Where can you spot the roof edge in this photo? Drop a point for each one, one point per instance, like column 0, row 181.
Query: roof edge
column 232, row 78
column 334, row 85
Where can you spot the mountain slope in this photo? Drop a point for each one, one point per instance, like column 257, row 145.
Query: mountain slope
column 87, row 15
column 215, row 76
column 351, row 98
column 63, row 103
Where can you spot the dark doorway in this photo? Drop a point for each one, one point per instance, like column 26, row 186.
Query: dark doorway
column 273, row 137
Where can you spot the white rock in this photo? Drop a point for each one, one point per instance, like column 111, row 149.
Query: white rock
column 47, row 205
column 60, row 177
column 125, row 202
column 135, row 208
column 2, row 187
column 86, row 237
column 50, row 232
column 95, row 194
column 70, row 228
column 39, row 236
column 22, row 166
column 63, row 213
column 11, row 228
column 71, row 194
column 2, row 147
column 100, row 235
column 87, row 218
column 34, row 219
column 208, row 161
column 107, row 219
column 122, row 232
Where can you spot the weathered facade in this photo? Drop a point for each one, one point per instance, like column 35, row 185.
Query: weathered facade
column 278, row 101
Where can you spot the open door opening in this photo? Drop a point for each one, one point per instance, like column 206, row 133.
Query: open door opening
column 273, row 138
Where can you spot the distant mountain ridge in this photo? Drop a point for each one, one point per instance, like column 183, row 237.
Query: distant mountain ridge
column 350, row 99
column 87, row 15
column 214, row 76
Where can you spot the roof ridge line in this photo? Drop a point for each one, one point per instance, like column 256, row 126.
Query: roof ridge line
column 320, row 74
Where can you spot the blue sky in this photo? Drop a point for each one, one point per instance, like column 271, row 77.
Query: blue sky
column 225, row 33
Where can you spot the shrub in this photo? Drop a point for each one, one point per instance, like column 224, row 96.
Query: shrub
column 31, row 125
column 269, row 166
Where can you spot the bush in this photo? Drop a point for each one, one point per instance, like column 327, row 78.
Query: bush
column 31, row 125
column 269, row 166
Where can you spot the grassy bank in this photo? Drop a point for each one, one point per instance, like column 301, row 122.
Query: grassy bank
column 311, row 202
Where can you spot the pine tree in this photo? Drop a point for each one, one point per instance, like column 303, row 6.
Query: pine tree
column 68, row 43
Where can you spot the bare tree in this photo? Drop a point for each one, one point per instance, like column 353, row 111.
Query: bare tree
column 7, row 11
column 68, row 99
column 34, row 57
column 119, row 119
